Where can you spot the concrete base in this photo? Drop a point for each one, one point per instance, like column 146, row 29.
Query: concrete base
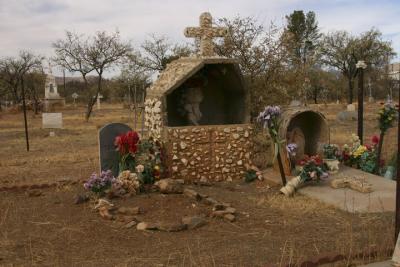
column 379, row 264
column 51, row 103
column 383, row 197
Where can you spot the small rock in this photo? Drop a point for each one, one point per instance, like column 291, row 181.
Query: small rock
column 146, row 226
column 169, row 186
column 229, row 217
column 204, row 181
column 34, row 193
column 129, row 211
column 171, row 227
column 221, row 206
column 105, row 213
column 211, row 201
column 79, row 199
column 184, row 161
column 192, row 194
column 183, row 145
column 193, row 222
column 131, row 224
column 230, row 210
column 125, row 218
column 101, row 202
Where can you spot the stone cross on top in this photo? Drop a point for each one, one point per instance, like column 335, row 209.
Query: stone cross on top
column 206, row 33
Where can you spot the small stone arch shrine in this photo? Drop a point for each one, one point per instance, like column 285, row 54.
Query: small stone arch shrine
column 198, row 107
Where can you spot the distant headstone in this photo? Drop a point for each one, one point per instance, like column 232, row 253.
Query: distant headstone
column 295, row 103
column 347, row 115
column 99, row 97
column 51, row 120
column 351, row 107
column 371, row 99
column 109, row 157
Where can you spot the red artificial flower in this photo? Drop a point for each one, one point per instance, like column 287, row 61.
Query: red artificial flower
column 132, row 139
column 375, row 139
column 127, row 142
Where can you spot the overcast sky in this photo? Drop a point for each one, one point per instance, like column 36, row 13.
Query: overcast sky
column 35, row 24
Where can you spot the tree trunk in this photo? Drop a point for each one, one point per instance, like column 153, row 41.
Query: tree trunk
column 350, row 90
column 93, row 100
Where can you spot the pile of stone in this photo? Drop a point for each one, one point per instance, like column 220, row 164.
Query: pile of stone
column 109, row 211
column 219, row 210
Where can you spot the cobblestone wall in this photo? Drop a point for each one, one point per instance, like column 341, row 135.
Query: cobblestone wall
column 216, row 153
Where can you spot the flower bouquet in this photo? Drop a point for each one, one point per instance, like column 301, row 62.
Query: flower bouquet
column 331, row 154
column 270, row 119
column 98, row 184
column 387, row 115
column 363, row 157
column 127, row 145
column 313, row 169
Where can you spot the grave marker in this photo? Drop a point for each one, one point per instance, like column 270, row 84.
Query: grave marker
column 74, row 97
column 52, row 120
column 351, row 107
column 109, row 157
column 99, row 97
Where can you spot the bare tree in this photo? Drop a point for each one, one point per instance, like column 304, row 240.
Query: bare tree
column 342, row 51
column 259, row 51
column 13, row 72
column 85, row 55
column 35, row 82
column 157, row 52
column 102, row 53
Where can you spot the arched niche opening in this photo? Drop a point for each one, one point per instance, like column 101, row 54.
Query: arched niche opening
column 306, row 128
column 223, row 97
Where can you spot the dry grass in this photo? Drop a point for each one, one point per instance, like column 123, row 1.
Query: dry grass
column 50, row 231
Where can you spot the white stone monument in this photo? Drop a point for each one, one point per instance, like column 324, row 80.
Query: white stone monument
column 351, row 107
column 75, row 97
column 52, row 120
column 99, row 97
column 51, row 96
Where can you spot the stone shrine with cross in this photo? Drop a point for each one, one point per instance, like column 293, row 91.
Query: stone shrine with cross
column 199, row 107
column 205, row 33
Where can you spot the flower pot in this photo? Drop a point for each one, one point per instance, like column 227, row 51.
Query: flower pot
column 389, row 174
column 333, row 165
column 291, row 186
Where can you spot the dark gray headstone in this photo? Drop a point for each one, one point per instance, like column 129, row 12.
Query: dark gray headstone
column 109, row 157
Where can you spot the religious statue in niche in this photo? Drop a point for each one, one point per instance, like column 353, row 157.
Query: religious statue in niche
column 296, row 136
column 191, row 100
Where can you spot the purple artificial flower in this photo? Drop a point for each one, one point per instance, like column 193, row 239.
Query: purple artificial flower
column 291, row 149
column 269, row 116
column 98, row 183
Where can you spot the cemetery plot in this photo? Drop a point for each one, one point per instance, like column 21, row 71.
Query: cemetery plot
column 57, row 231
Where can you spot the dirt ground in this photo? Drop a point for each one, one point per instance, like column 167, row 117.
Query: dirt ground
column 49, row 230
